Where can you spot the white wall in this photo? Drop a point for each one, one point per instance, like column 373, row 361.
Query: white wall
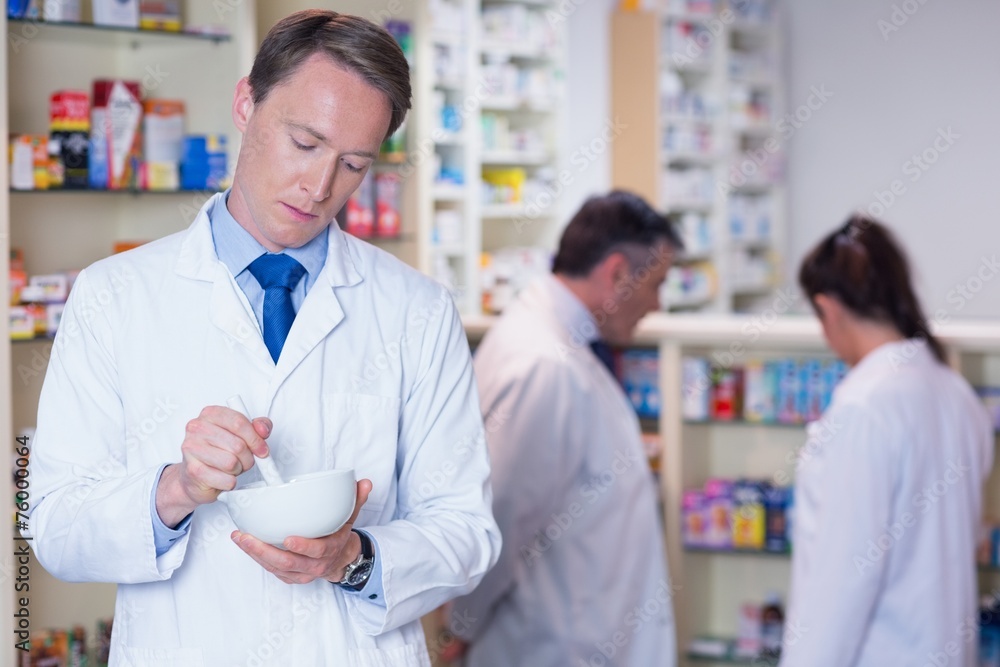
column 890, row 97
column 588, row 104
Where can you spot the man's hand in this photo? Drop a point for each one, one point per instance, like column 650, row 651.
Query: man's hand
column 304, row 560
column 218, row 446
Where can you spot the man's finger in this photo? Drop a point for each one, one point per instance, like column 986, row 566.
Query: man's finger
column 364, row 488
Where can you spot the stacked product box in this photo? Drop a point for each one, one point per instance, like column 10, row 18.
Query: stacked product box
column 785, row 391
column 36, row 302
column 639, row 372
column 742, row 514
column 113, row 140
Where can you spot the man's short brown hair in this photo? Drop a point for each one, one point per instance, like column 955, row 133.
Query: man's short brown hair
column 354, row 43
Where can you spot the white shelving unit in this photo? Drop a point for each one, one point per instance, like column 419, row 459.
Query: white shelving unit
column 698, row 90
column 60, row 230
column 453, row 240
column 520, row 63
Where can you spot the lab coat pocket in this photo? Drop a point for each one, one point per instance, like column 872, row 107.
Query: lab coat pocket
column 158, row 657
column 360, row 431
column 410, row 655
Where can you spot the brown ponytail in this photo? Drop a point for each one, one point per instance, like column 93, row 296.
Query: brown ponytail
column 863, row 266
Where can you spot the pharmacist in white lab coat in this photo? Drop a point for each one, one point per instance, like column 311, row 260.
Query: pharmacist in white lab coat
column 888, row 492
column 373, row 374
column 582, row 577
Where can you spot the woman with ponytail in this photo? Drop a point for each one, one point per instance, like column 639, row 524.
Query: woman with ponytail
column 888, row 491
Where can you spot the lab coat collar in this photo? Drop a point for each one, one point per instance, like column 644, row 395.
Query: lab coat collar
column 199, row 261
column 889, row 358
column 569, row 311
column 231, row 312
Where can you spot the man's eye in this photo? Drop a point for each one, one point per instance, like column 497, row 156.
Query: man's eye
column 353, row 168
column 302, row 147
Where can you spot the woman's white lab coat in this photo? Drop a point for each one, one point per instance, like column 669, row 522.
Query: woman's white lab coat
column 582, row 576
column 888, row 503
column 375, row 376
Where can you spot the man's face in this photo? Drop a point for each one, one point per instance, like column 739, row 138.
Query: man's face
column 305, row 149
column 636, row 293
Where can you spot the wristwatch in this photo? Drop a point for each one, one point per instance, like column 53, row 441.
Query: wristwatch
column 356, row 574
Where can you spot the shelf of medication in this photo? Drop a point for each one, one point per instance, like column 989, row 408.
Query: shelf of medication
column 692, row 158
column 737, row 552
column 743, row 422
column 47, row 338
column 514, row 158
column 120, row 191
column 728, row 657
column 502, row 211
column 448, row 192
column 99, row 33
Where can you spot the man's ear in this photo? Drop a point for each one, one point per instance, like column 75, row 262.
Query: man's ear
column 242, row 105
column 828, row 308
column 612, row 270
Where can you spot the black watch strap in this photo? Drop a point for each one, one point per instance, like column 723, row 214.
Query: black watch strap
column 363, row 566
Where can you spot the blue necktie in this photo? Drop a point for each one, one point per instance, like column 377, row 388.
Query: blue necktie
column 603, row 352
column 278, row 275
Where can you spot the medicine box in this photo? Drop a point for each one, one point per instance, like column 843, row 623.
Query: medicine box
column 776, row 499
column 693, row 518
column 116, row 141
column 748, row 515
column 360, row 215
column 696, row 386
column 121, row 13
column 719, row 510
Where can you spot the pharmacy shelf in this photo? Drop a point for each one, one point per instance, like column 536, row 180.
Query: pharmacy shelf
column 741, row 422
column 37, row 339
column 515, row 51
column 83, row 29
column 124, row 191
column 730, row 659
column 643, row 162
column 514, row 158
column 501, row 211
column 737, row 552
column 514, row 104
column 682, row 158
column 448, row 192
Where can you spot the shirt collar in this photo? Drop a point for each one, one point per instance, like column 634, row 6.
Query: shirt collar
column 570, row 311
column 236, row 248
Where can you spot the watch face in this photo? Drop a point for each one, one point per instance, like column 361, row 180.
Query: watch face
column 360, row 573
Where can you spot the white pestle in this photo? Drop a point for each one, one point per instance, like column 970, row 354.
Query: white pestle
column 266, row 466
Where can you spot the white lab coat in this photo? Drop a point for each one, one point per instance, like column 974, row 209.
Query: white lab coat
column 888, row 502
column 375, row 375
column 582, row 576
